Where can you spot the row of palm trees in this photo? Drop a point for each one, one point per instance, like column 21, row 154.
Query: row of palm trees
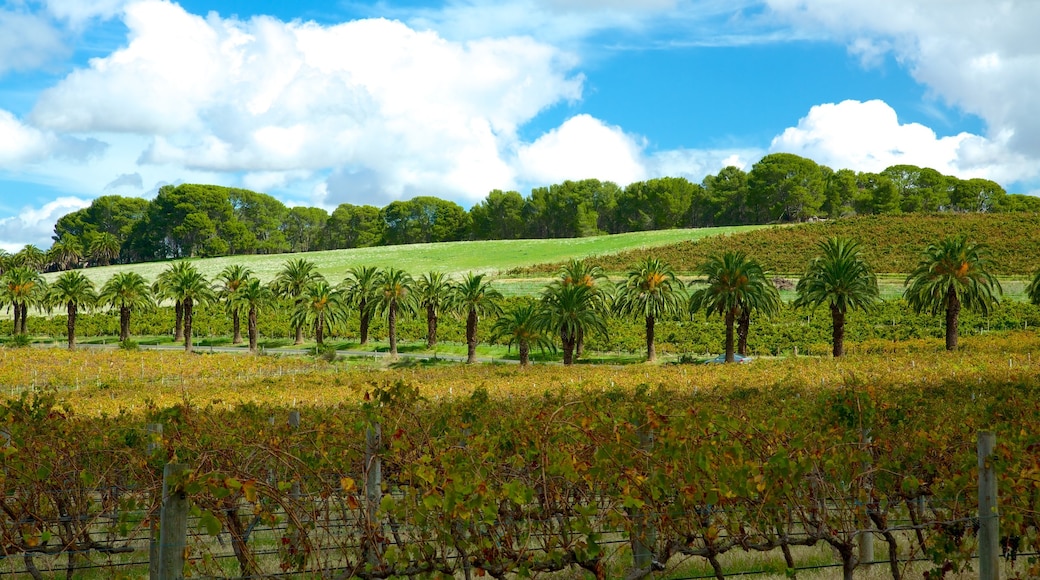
column 951, row 275
column 64, row 254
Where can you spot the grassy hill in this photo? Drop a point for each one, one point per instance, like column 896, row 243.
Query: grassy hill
column 892, row 244
column 453, row 258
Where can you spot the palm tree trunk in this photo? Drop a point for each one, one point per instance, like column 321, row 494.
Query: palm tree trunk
column 431, row 326
column 743, row 327
column 838, row 331
column 236, row 326
column 651, row 348
column 252, row 329
column 953, row 311
column 299, row 335
column 731, row 316
column 72, row 324
column 178, row 324
column 189, row 307
column 124, row 323
column 391, row 328
column 579, row 343
column 366, row 319
column 319, row 329
column 471, row 336
column 24, row 322
column 525, row 353
column 17, row 318
column 569, row 342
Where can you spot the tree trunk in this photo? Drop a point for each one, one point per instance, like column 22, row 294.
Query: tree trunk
column 569, row 343
column 743, row 327
column 579, row 343
column 178, row 324
column 651, row 348
column 525, row 353
column 71, row 306
column 236, row 327
column 366, row 319
column 319, row 330
column 252, row 329
column 431, row 327
column 471, row 336
column 189, row 307
column 25, row 318
column 299, row 335
column 838, row 331
column 124, row 323
column 731, row 316
column 391, row 328
column 17, row 318
column 953, row 311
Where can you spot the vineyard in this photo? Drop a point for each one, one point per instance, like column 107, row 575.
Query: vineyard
column 300, row 468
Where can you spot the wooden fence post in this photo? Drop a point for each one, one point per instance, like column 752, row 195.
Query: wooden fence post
column 643, row 535
column 173, row 527
column 294, row 425
column 989, row 515
column 866, row 537
column 373, row 490
column 154, row 431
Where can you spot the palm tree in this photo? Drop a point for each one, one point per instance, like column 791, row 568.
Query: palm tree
column 651, row 291
column 1033, row 289
column 65, row 253
column 6, row 261
column 161, row 289
column 189, row 287
column 582, row 273
column 572, row 311
column 104, row 249
column 475, row 297
column 735, row 283
column 953, row 274
column 252, row 296
column 74, row 290
column 432, row 292
column 229, row 281
column 394, row 295
column 291, row 282
column 22, row 286
column 320, row 305
column 841, row 279
column 521, row 326
column 125, row 291
column 362, row 290
column 31, row 257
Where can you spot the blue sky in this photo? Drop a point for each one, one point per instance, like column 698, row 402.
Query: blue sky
column 321, row 103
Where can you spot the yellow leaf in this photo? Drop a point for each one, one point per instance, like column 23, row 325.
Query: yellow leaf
column 249, row 490
column 347, row 484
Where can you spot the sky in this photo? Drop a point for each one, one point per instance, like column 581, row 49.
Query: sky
column 324, row 102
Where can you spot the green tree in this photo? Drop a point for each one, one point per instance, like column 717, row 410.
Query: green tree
column 65, row 253
column 841, row 279
column 304, row 228
column 23, row 287
column 498, row 217
column 785, row 187
column 653, row 292
column 734, row 282
column 725, row 202
column 432, row 292
column 320, row 306
column 74, row 291
column 1033, row 289
column 952, row 274
column 353, row 226
column 229, row 281
column 362, row 288
column 253, row 297
column 656, row 204
column 31, row 257
column 424, row 220
column 520, row 325
column 189, row 287
column 572, row 310
column 584, row 273
column 291, row 282
column 261, row 217
column 125, row 291
column 474, row 297
column 162, row 290
column 394, row 296
column 104, row 249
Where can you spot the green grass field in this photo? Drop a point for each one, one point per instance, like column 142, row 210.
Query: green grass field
column 455, row 258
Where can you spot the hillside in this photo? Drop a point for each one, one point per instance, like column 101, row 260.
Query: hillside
column 892, row 244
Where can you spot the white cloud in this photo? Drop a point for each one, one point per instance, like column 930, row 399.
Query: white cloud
column 582, row 147
column 867, row 136
column 35, row 225
column 282, row 102
column 980, row 56
column 77, row 12
column 27, row 41
column 696, row 164
column 19, row 143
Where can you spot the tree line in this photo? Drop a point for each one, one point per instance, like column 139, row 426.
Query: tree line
column 208, row 221
column 952, row 275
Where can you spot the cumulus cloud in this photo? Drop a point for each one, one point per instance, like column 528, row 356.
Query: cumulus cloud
column 867, row 136
column 34, row 225
column 27, row 41
column 286, row 101
column 979, row 56
column 582, row 147
column 77, row 12
column 696, row 164
column 19, row 143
